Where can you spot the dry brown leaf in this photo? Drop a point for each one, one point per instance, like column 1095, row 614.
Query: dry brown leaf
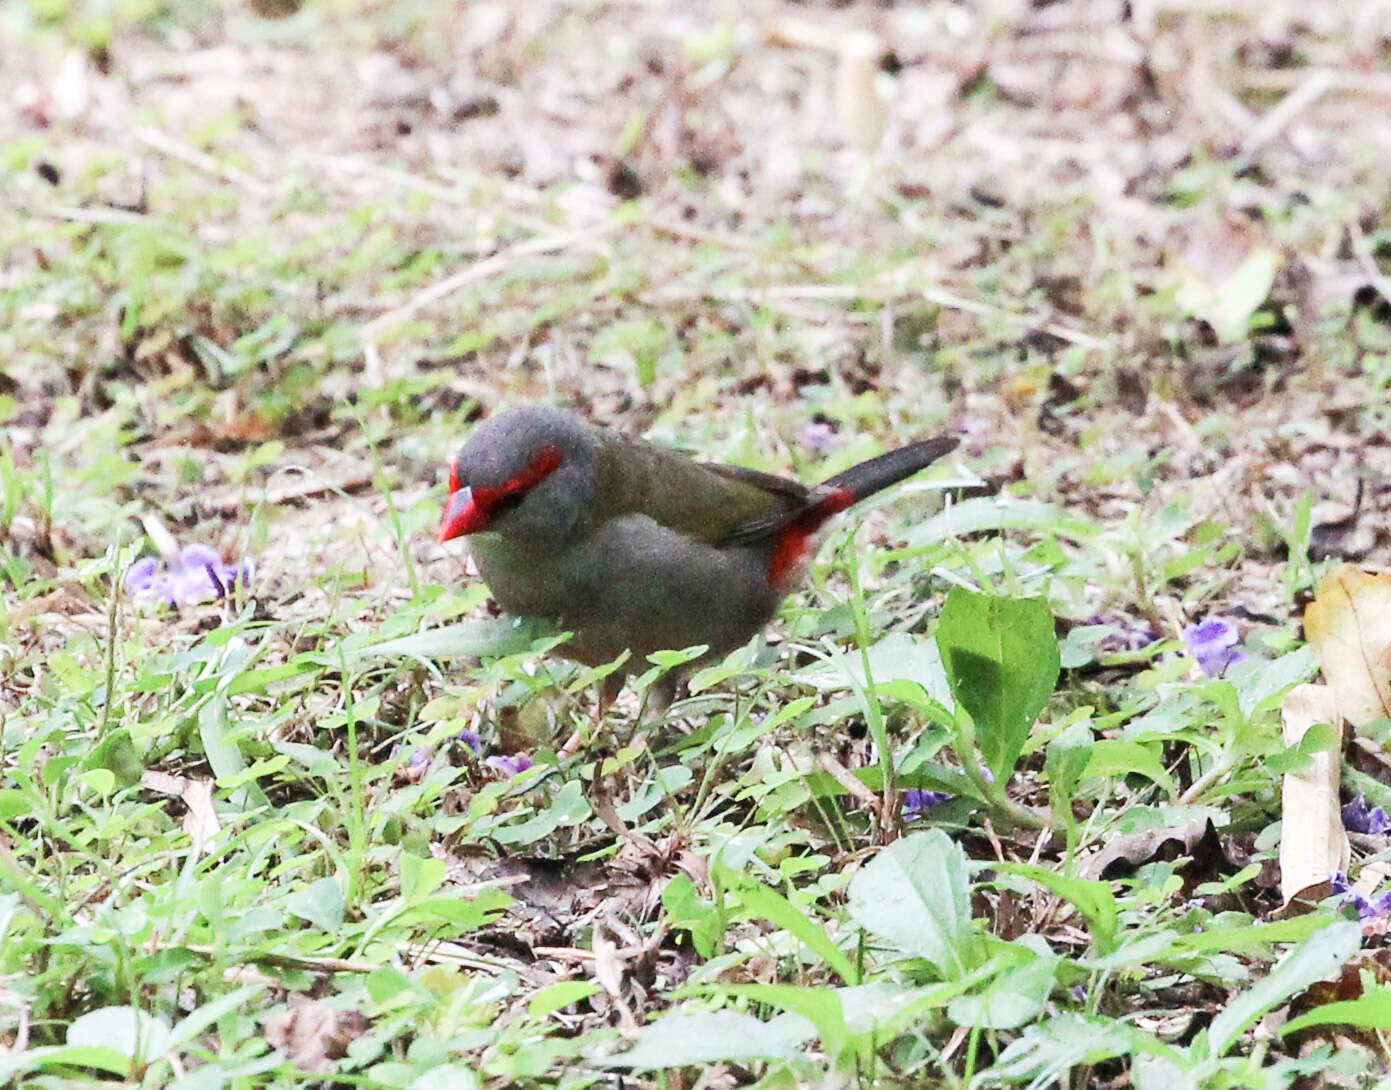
column 200, row 821
column 1123, row 854
column 1313, row 843
column 608, row 971
column 1350, row 625
column 608, row 968
column 313, row 1034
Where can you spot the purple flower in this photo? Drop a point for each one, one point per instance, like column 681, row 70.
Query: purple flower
column 916, row 802
column 1213, row 643
column 471, row 739
column 419, row 764
column 1374, row 907
column 1359, row 818
column 511, row 764
column 819, row 437
column 196, row 574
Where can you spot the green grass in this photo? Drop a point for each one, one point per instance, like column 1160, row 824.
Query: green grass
column 214, row 327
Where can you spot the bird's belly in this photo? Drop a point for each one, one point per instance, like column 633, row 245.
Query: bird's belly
column 634, row 585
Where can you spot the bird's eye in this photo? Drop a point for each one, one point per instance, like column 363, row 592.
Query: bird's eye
column 507, row 502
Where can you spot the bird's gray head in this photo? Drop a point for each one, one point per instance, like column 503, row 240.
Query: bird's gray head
column 528, row 473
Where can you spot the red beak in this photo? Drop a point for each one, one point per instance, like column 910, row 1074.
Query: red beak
column 462, row 515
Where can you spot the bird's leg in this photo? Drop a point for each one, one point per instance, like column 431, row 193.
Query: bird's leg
column 609, row 689
column 661, row 693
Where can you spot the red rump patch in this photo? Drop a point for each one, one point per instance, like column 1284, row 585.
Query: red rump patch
column 791, row 547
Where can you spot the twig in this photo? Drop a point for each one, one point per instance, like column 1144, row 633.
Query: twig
column 1182, row 426
column 1289, row 107
column 847, row 292
column 314, row 486
column 972, row 306
column 293, row 961
column 852, row 783
column 481, row 270
column 117, row 217
column 1341, row 81
column 202, row 161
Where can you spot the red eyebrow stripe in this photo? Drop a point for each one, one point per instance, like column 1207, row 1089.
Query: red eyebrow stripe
column 546, row 462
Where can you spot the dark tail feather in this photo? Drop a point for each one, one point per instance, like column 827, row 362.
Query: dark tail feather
column 838, row 493
column 869, row 477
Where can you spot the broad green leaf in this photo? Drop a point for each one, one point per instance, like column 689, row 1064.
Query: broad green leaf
column 899, row 656
column 420, row 877
column 473, row 639
column 708, row 1037
column 321, row 903
column 1001, row 658
column 199, row 1019
column 1068, row 757
column 559, row 996
column 821, row 1007
column 1013, row 999
column 461, row 913
column 1094, row 899
column 1252, row 939
column 764, row 902
column 990, row 513
column 568, row 808
column 1311, row 961
column 1243, row 293
column 1120, row 757
column 1261, row 689
column 262, row 678
column 445, row 1077
column 136, row 1035
column 36, row 1059
column 915, row 895
column 688, row 910
column 223, row 754
column 1372, row 1010
column 1047, row 1052
column 116, row 754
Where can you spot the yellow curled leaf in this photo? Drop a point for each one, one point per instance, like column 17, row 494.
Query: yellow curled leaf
column 1350, row 625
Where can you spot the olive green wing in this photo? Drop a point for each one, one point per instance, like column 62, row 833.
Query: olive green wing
column 714, row 503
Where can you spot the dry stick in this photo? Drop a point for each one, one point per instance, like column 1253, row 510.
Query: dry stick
column 839, row 292
column 1343, row 82
column 972, row 306
column 315, row 486
column 481, row 270
column 293, row 961
column 852, row 783
column 939, row 296
column 1283, row 112
column 450, row 192
column 202, row 161
column 116, row 217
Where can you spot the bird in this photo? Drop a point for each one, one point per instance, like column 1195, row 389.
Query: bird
column 635, row 547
